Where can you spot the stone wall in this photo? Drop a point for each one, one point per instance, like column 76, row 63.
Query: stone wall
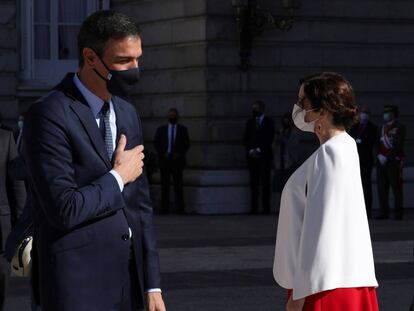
column 8, row 62
column 367, row 41
column 191, row 62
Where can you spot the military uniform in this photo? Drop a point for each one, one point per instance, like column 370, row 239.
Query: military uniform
column 389, row 166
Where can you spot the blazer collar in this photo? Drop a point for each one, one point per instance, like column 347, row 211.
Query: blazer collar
column 81, row 108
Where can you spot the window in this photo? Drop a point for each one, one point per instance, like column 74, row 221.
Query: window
column 49, row 34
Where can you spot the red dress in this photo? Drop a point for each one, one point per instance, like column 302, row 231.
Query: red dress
column 342, row 299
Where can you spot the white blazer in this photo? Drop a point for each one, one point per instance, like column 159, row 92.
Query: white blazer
column 323, row 239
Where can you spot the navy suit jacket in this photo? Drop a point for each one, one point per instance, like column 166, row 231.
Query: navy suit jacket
column 181, row 144
column 81, row 218
column 261, row 137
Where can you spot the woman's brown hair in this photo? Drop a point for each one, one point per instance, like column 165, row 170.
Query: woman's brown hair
column 331, row 91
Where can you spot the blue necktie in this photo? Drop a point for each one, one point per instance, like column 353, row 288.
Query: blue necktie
column 105, row 129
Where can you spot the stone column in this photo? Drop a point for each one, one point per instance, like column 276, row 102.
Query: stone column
column 8, row 62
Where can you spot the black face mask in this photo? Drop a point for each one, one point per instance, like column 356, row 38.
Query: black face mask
column 256, row 113
column 173, row 120
column 120, row 82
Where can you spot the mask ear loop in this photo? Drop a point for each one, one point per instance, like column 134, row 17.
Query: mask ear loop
column 109, row 76
column 296, row 112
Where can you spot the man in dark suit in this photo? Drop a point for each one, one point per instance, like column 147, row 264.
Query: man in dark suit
column 94, row 241
column 172, row 143
column 390, row 162
column 258, row 139
column 12, row 200
column 365, row 135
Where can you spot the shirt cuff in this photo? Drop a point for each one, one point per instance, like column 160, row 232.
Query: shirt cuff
column 153, row 290
column 118, row 179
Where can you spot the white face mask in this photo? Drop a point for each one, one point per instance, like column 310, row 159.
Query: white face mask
column 298, row 116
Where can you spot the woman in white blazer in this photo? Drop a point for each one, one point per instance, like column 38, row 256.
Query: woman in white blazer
column 323, row 248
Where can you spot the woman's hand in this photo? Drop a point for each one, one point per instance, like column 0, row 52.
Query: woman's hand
column 295, row 305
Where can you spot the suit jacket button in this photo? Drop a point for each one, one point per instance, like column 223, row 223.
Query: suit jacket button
column 125, row 237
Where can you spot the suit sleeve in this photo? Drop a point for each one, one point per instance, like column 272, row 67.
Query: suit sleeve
column 16, row 192
column 48, row 156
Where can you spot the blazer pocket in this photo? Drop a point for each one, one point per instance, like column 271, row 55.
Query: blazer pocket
column 73, row 240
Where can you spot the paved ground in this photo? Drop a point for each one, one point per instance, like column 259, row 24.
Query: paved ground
column 217, row 263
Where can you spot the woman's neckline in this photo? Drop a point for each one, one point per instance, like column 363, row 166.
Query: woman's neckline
column 339, row 133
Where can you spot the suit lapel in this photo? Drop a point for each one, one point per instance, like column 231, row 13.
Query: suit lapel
column 89, row 123
column 119, row 112
column 85, row 115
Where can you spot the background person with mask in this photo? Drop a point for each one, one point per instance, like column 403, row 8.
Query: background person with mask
column 172, row 143
column 365, row 135
column 390, row 162
column 258, row 140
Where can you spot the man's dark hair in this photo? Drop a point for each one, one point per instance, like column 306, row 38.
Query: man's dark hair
column 173, row 110
column 101, row 26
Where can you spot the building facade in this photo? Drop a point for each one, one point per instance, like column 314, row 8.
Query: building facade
column 191, row 62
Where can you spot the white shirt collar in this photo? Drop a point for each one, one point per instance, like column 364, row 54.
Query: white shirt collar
column 94, row 102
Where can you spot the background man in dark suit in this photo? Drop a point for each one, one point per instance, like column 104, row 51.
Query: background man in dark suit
column 258, row 139
column 12, row 200
column 365, row 134
column 390, row 162
column 172, row 143
column 94, row 239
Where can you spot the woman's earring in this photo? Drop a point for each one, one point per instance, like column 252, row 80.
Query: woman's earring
column 319, row 127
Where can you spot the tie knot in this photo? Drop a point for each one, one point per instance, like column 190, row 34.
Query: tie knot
column 105, row 108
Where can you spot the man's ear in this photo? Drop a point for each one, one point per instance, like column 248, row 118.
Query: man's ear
column 89, row 57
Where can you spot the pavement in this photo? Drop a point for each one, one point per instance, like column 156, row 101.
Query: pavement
column 217, row 263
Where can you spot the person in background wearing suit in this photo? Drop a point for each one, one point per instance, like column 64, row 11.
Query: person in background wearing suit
column 12, row 200
column 365, row 135
column 94, row 237
column 258, row 140
column 390, row 162
column 172, row 143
